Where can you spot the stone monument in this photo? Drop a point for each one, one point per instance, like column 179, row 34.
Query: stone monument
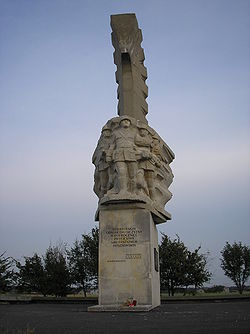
column 132, row 176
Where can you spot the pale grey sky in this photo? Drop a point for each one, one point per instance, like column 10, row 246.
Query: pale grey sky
column 58, row 89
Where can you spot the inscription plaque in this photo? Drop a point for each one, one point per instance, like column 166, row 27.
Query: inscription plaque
column 156, row 259
column 123, row 236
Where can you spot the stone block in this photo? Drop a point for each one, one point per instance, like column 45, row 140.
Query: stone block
column 128, row 259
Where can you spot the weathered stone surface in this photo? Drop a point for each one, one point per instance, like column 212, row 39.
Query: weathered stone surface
column 132, row 165
column 128, row 258
column 131, row 74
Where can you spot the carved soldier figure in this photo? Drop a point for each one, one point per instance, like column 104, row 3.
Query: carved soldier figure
column 124, row 156
column 156, row 149
column 102, row 172
column 146, row 162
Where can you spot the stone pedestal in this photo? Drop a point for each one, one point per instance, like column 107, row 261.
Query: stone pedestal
column 128, row 260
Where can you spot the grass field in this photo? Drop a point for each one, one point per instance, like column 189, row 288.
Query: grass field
column 164, row 296
column 223, row 294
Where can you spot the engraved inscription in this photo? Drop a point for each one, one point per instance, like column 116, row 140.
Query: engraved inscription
column 136, row 256
column 133, row 256
column 123, row 236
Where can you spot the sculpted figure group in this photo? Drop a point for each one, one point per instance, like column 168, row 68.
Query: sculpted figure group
column 132, row 162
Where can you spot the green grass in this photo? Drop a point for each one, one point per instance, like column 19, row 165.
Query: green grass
column 223, row 294
column 164, row 295
column 37, row 295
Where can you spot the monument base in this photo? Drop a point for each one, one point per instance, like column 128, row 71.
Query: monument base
column 115, row 308
column 128, row 260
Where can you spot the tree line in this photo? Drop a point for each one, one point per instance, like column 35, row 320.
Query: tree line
column 59, row 271
column 63, row 270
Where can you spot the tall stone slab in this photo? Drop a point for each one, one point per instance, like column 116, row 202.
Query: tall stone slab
column 132, row 177
column 131, row 73
column 128, row 271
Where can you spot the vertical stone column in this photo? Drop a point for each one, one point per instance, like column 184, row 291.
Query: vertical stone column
column 131, row 73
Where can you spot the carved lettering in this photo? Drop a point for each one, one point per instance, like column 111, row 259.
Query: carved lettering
column 123, row 236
